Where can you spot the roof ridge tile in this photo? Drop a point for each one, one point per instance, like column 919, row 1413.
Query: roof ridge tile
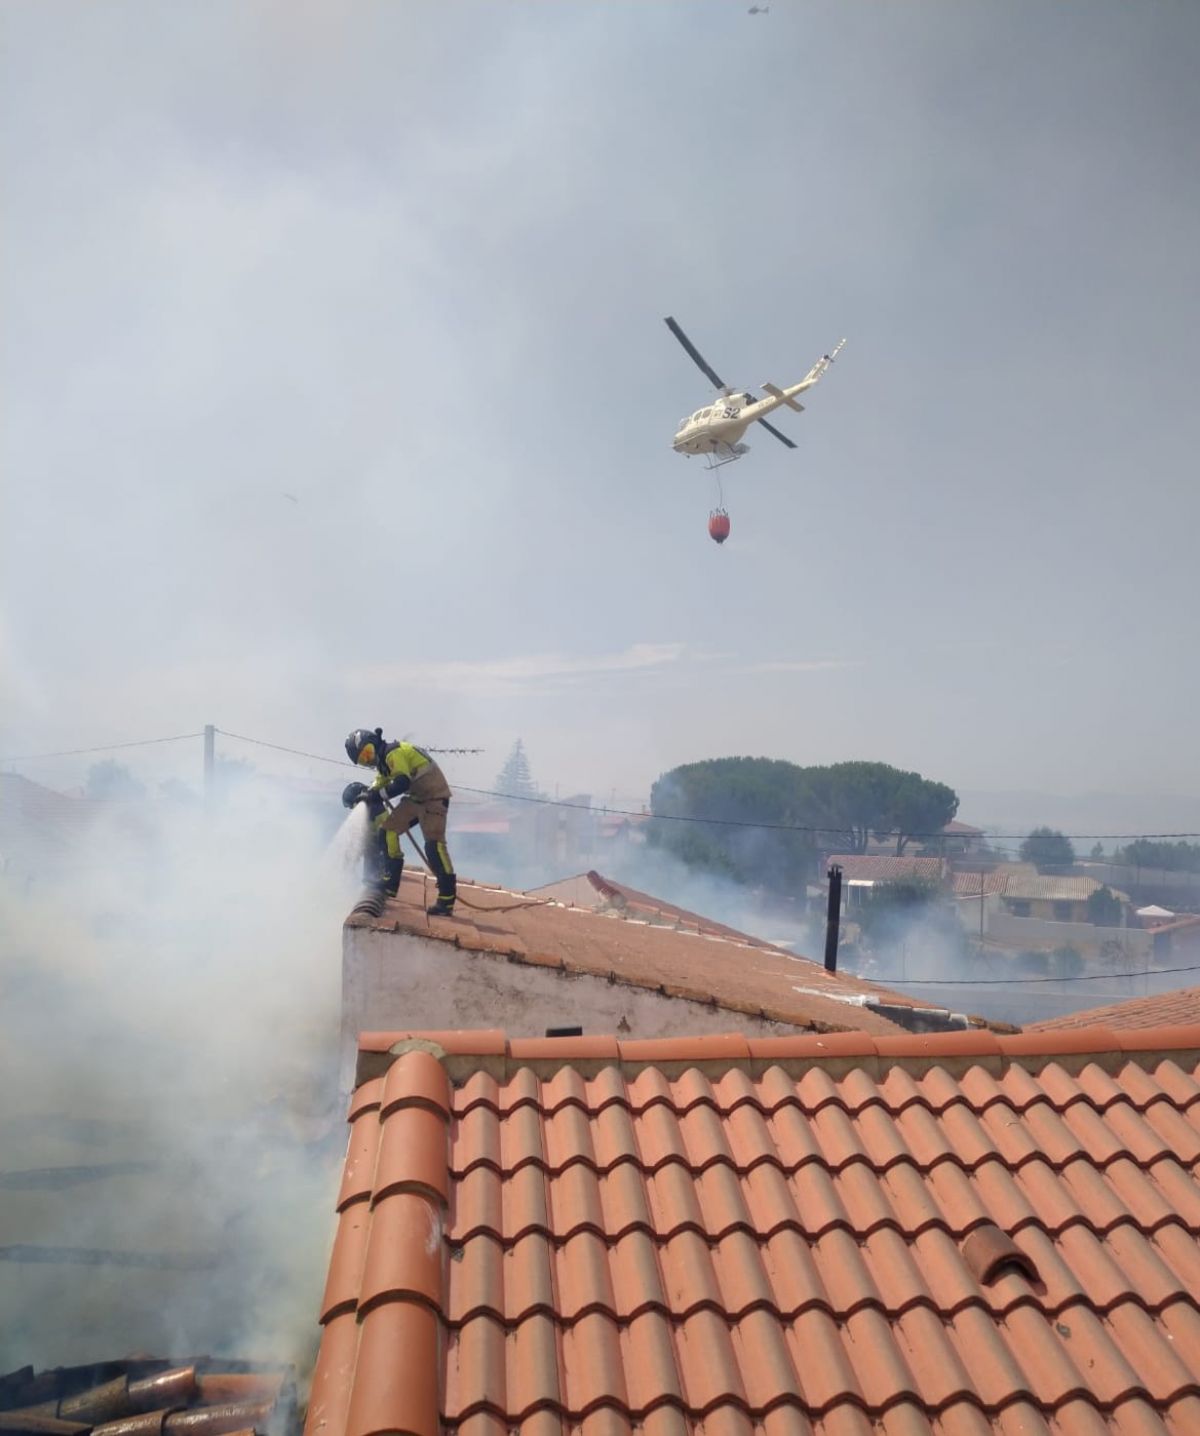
column 416, row 1078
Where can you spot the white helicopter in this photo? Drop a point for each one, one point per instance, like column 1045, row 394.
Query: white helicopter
column 717, row 431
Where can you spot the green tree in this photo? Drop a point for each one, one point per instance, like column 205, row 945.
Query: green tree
column 515, row 780
column 919, row 805
column 1104, row 908
column 1097, row 852
column 852, row 802
column 112, row 780
column 837, row 808
column 716, row 798
column 1172, row 857
column 1048, row 848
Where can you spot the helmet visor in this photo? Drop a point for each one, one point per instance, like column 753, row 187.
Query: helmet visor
column 366, row 755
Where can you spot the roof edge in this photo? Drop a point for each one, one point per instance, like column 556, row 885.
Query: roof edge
column 468, row 1050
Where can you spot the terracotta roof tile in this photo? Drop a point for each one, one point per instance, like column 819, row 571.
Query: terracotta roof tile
column 946, row 1238
column 1180, row 1006
column 966, row 883
column 718, row 967
column 146, row 1397
column 886, row 868
column 1047, row 887
column 592, row 890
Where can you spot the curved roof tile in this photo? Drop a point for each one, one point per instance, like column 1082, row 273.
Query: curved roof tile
column 918, row 1235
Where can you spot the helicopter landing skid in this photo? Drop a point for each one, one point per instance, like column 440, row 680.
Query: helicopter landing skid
column 725, row 454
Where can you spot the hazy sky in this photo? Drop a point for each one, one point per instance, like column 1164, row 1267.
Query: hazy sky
column 408, row 263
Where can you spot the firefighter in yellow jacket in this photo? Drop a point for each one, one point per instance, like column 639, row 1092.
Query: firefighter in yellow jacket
column 408, row 773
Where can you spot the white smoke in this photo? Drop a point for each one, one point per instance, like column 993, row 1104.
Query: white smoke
column 169, row 1138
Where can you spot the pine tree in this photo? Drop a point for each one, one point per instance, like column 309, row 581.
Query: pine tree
column 515, row 779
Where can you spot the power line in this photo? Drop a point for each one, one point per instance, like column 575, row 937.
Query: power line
column 1024, row 981
column 784, row 827
column 101, row 748
column 322, row 757
column 280, row 748
column 833, row 832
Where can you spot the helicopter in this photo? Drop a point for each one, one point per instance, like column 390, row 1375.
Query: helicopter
column 716, row 431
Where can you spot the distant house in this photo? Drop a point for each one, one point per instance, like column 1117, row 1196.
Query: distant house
column 38, row 829
column 1177, row 941
column 616, row 831
column 1153, row 916
column 45, row 834
column 863, row 871
column 1051, row 898
column 957, row 840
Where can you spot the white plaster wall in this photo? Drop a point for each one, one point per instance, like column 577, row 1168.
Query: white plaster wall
column 398, row 981
column 1017, row 932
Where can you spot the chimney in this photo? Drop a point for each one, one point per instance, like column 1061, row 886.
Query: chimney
column 833, row 917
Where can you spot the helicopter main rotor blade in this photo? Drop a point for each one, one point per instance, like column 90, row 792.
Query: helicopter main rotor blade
column 771, row 429
column 697, row 358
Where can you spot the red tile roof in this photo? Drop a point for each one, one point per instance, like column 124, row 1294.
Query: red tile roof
column 36, row 823
column 967, row 884
column 593, row 890
column 1050, row 887
column 39, row 825
column 807, row 1236
column 1178, row 1007
column 884, row 868
column 144, row 1397
column 758, row 980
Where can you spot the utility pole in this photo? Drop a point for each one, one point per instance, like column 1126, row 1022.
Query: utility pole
column 210, row 737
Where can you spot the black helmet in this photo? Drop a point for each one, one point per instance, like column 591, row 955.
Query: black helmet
column 363, row 745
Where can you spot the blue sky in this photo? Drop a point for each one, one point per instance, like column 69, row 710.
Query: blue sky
column 408, row 264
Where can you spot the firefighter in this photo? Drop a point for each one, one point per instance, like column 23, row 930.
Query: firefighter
column 410, row 774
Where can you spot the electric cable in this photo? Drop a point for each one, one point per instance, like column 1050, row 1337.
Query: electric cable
column 816, row 830
column 320, row 757
column 662, row 817
column 100, row 748
column 901, row 982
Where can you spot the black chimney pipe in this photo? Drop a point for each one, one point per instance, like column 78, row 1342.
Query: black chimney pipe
column 833, row 917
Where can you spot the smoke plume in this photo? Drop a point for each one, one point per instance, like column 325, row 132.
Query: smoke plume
column 169, row 1144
